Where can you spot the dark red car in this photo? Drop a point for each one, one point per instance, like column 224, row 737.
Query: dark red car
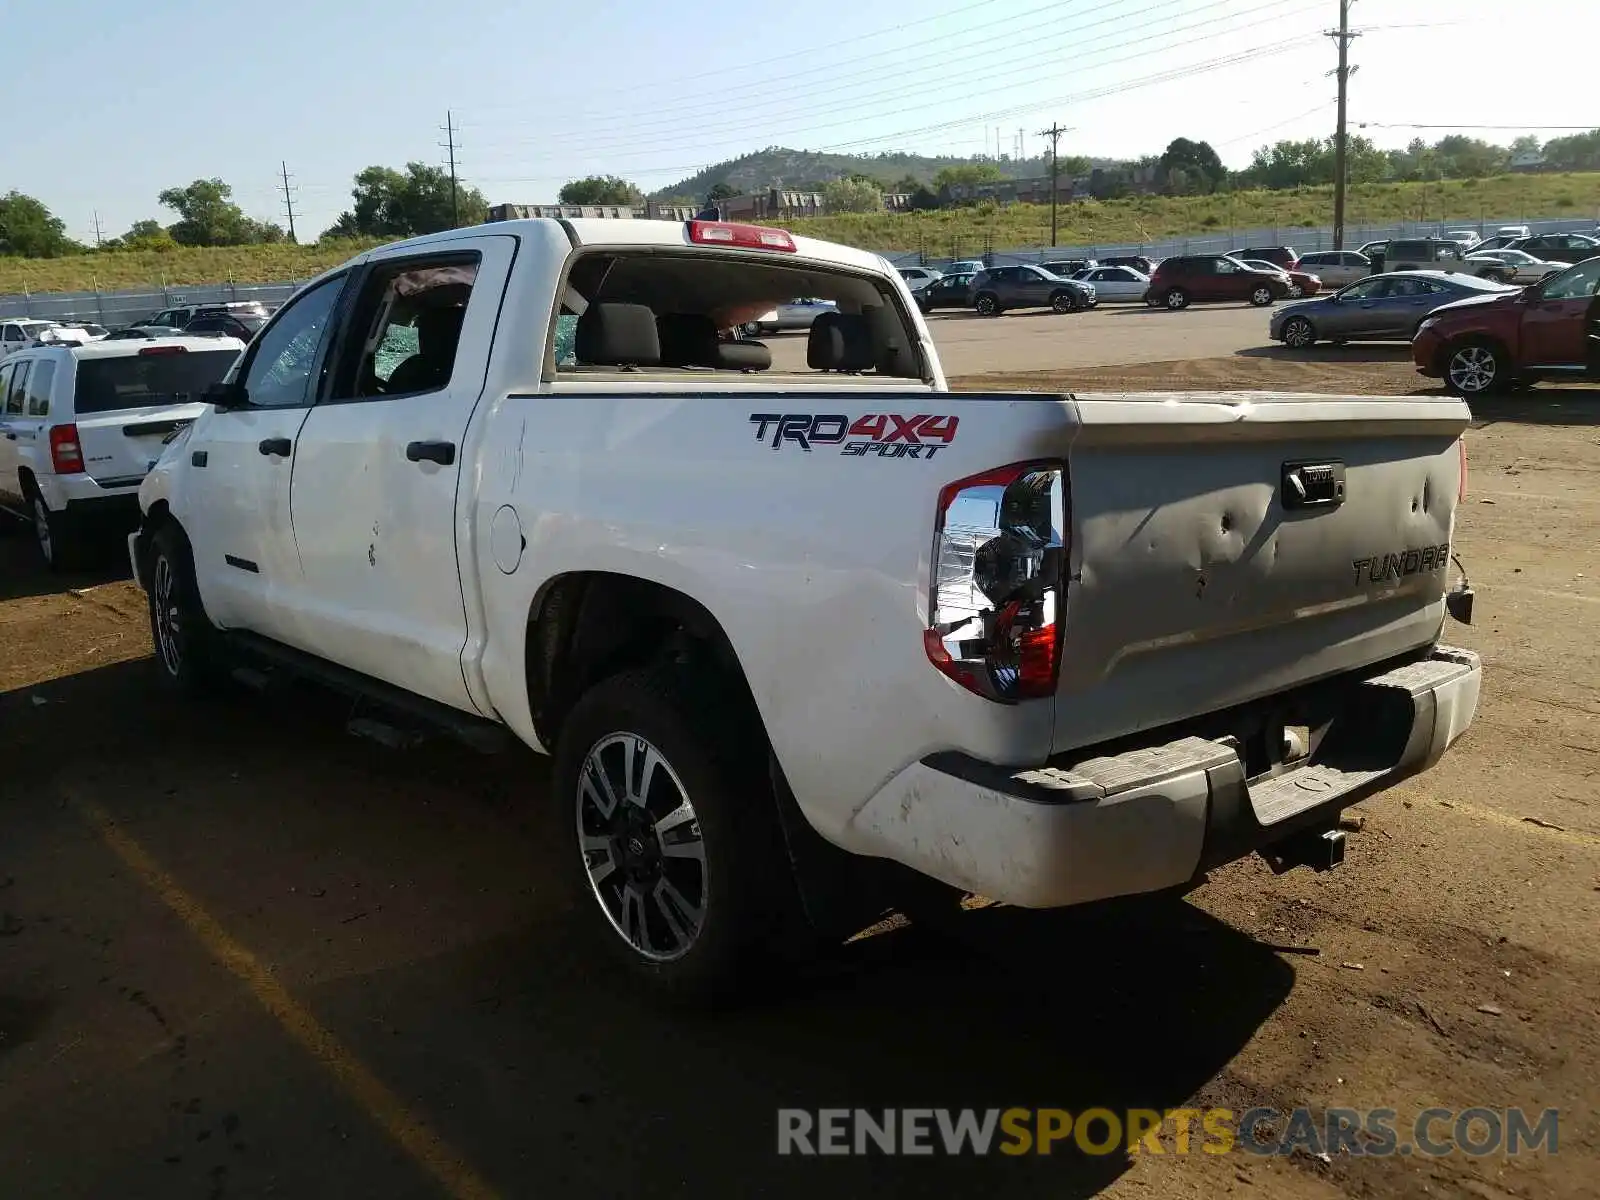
column 1178, row 282
column 1548, row 330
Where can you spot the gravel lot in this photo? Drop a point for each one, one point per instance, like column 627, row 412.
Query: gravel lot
column 243, row 954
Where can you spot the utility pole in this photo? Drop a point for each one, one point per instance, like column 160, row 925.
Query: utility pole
column 450, row 145
column 97, row 229
column 1340, row 150
column 288, row 199
column 1054, row 134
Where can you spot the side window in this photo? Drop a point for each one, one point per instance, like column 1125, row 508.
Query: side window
column 11, row 334
column 1223, row 266
column 279, row 372
column 5, row 382
column 44, row 375
column 408, row 316
column 1576, row 284
column 19, row 380
column 1367, row 289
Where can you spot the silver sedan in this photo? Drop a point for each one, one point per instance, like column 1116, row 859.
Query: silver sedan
column 1386, row 307
column 1116, row 283
column 1525, row 267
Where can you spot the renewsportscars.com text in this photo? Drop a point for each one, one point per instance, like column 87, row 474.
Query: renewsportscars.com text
column 1376, row 1132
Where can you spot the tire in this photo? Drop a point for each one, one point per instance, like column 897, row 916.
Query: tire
column 706, row 938
column 1176, row 299
column 54, row 535
column 1296, row 292
column 187, row 656
column 1062, row 302
column 1299, row 334
column 1476, row 368
column 1261, row 297
column 987, row 304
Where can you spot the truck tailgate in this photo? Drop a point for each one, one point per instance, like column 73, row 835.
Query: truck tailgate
column 1227, row 548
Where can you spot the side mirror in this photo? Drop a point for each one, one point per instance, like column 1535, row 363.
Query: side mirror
column 227, row 395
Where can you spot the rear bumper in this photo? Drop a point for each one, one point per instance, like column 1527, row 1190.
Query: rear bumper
column 1156, row 817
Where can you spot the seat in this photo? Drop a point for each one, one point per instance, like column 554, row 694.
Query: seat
column 687, row 340
column 617, row 335
column 429, row 369
column 839, row 342
column 744, row 356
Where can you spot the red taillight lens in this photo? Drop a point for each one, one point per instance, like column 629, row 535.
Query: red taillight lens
column 748, row 237
column 66, row 456
column 157, row 351
column 999, row 576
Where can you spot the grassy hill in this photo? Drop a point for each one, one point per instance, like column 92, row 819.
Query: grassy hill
column 796, row 168
column 956, row 231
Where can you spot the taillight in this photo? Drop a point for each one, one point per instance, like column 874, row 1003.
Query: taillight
column 1461, row 490
column 66, row 456
column 748, row 237
column 999, row 576
column 158, row 351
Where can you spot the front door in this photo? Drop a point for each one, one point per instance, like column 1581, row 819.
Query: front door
column 1554, row 326
column 236, row 512
column 376, row 500
column 10, row 452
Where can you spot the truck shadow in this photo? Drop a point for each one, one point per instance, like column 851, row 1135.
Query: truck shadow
column 1355, row 352
column 23, row 574
column 552, row 1075
column 1577, row 406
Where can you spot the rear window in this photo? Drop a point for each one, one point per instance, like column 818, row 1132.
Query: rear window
column 147, row 380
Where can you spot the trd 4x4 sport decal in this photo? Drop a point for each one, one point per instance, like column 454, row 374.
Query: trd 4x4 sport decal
column 884, row 435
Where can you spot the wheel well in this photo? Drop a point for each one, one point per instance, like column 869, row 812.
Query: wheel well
column 588, row 626
column 29, row 485
column 1471, row 339
column 158, row 516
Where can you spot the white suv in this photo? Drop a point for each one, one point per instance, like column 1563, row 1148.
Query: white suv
column 16, row 333
column 81, row 425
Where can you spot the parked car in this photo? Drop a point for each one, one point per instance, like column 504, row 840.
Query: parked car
column 1068, row 267
column 1137, row 261
column 950, row 291
column 1115, row 283
column 966, row 266
column 1336, row 268
column 1379, row 308
column 1465, row 238
column 1434, row 254
column 795, row 314
column 1178, row 282
column 1001, row 288
column 1372, row 251
column 918, row 278
column 1558, row 247
column 1301, row 283
column 1279, row 256
column 16, row 333
column 222, row 324
column 146, row 333
column 1525, row 268
column 1513, row 231
column 1546, row 330
column 608, row 560
column 80, row 425
column 1497, row 242
column 174, row 319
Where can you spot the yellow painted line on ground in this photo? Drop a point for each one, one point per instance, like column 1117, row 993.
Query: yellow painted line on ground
column 408, row 1130
column 1574, row 836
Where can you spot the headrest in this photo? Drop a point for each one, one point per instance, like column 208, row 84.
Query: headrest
column 743, row 356
column 618, row 335
column 839, row 342
column 438, row 329
column 687, row 339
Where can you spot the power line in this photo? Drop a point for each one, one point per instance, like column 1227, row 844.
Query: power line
column 1344, row 37
column 1054, row 134
column 1253, row 53
column 1411, row 125
column 450, row 144
column 288, row 199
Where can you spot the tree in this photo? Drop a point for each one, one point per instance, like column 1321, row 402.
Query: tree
column 1579, row 152
column 922, row 199
column 207, row 215
column 721, row 191
column 1526, row 144
column 600, row 189
column 30, row 230
column 967, row 173
column 852, row 196
column 391, row 204
column 147, row 235
column 1201, row 169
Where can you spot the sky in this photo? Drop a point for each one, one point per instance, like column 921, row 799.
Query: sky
column 139, row 97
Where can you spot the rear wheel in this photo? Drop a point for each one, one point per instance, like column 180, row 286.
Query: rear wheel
column 672, row 831
column 1296, row 291
column 1176, row 298
column 53, row 534
column 1062, row 301
column 1298, row 333
column 185, row 640
column 1261, row 296
column 1476, row 369
column 988, row 305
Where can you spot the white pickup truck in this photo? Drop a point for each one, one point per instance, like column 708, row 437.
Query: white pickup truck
column 793, row 618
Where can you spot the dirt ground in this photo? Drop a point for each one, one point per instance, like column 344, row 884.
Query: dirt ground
column 244, row 954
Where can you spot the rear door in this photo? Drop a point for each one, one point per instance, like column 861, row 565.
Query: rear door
column 381, row 462
column 1555, row 326
column 10, row 452
column 126, row 406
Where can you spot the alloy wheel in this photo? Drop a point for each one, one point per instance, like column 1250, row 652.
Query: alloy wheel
column 168, row 622
column 642, row 847
column 1298, row 334
column 1473, row 369
column 41, row 530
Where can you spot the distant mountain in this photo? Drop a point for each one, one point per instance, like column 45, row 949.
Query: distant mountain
column 777, row 166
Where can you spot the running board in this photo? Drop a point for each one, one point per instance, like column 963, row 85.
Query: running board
column 486, row 737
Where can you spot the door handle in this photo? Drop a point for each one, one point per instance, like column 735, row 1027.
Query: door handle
column 443, row 453
column 280, row 446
